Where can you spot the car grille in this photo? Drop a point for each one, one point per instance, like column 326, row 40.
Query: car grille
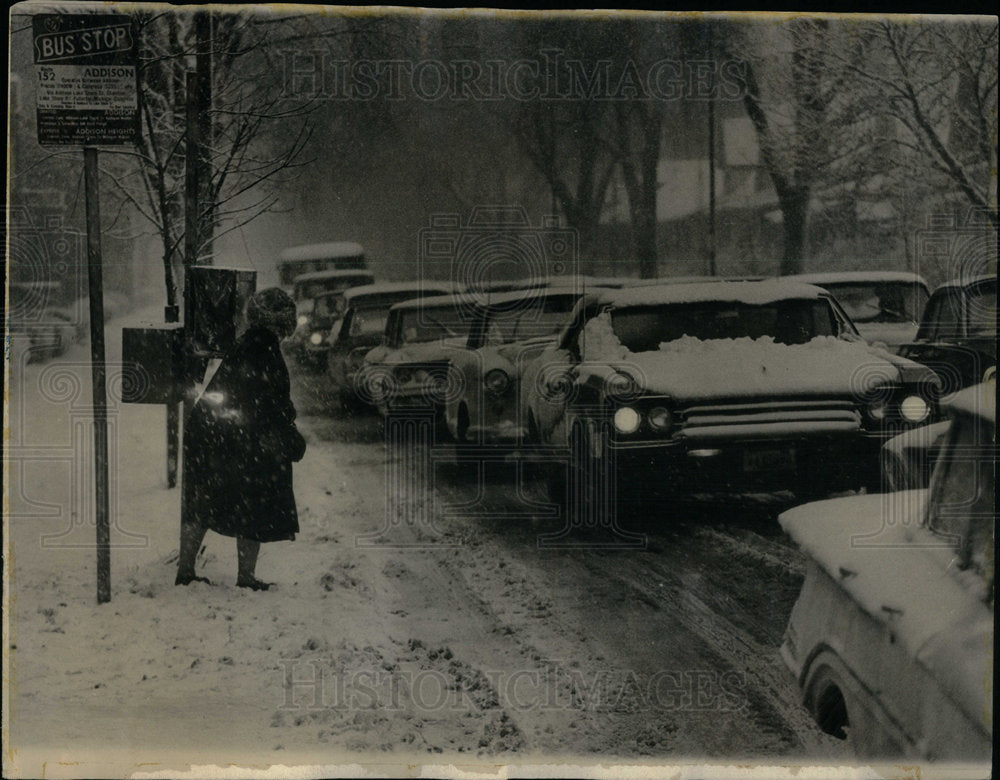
column 776, row 418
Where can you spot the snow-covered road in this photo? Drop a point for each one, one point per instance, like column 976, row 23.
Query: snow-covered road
column 447, row 635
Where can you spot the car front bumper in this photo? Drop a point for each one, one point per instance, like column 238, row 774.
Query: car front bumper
column 811, row 463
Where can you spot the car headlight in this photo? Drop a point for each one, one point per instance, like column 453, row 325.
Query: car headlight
column 316, row 338
column 627, row 420
column 302, row 319
column 914, row 409
column 496, row 380
column 660, row 418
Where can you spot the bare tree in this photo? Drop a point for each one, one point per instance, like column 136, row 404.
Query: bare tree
column 248, row 149
column 795, row 93
column 933, row 85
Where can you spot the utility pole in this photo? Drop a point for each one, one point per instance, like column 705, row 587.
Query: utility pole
column 711, row 155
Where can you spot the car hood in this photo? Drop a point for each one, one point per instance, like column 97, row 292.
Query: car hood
column 520, row 352
column 693, row 370
column 424, row 352
column 903, row 576
column 891, row 333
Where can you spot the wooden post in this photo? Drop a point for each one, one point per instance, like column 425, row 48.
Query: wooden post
column 711, row 156
column 96, row 289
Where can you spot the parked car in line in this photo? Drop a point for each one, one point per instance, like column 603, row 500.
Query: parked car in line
column 409, row 371
column 717, row 387
column 506, row 332
column 319, row 303
column 958, row 333
column 884, row 305
column 362, row 328
column 891, row 639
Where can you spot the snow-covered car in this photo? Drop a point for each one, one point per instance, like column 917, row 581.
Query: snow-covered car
column 362, row 327
column 884, row 305
column 958, row 333
column 506, row 332
column 717, row 387
column 409, row 372
column 891, row 639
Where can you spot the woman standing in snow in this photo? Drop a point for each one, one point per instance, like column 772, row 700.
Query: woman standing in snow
column 239, row 445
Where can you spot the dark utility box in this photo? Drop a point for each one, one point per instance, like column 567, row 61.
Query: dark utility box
column 151, row 364
column 215, row 302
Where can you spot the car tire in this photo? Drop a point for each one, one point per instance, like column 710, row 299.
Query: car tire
column 827, row 702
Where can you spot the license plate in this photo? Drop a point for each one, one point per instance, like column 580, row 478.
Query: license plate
column 769, row 460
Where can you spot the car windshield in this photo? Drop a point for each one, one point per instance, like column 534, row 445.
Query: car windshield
column 983, row 310
column 431, row 323
column 880, row 301
column 367, row 321
column 544, row 316
column 328, row 306
column 644, row 328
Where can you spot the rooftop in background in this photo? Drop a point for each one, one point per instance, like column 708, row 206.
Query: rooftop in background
column 327, row 251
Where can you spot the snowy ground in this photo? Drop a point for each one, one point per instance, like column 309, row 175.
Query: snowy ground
column 448, row 636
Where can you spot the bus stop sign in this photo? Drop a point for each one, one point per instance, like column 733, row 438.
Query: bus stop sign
column 87, row 90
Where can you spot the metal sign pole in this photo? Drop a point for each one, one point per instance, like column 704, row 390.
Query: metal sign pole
column 96, row 288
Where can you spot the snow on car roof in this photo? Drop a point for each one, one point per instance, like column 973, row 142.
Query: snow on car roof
column 434, row 300
column 416, row 287
column 979, row 400
column 327, row 251
column 315, row 276
column 752, row 293
column 855, row 277
column 500, row 299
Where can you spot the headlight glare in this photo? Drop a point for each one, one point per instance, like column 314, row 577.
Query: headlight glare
column 660, row 418
column 627, row 420
column 914, row 409
column 316, row 338
column 496, row 380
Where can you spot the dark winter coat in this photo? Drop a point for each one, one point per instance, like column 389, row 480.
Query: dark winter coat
column 239, row 444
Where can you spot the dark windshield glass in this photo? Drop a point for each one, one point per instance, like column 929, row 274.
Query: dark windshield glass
column 983, row 310
column 644, row 328
column 880, row 301
column 368, row 321
column 432, row 323
column 542, row 316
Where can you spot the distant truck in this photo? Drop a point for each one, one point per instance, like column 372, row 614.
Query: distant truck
column 331, row 256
